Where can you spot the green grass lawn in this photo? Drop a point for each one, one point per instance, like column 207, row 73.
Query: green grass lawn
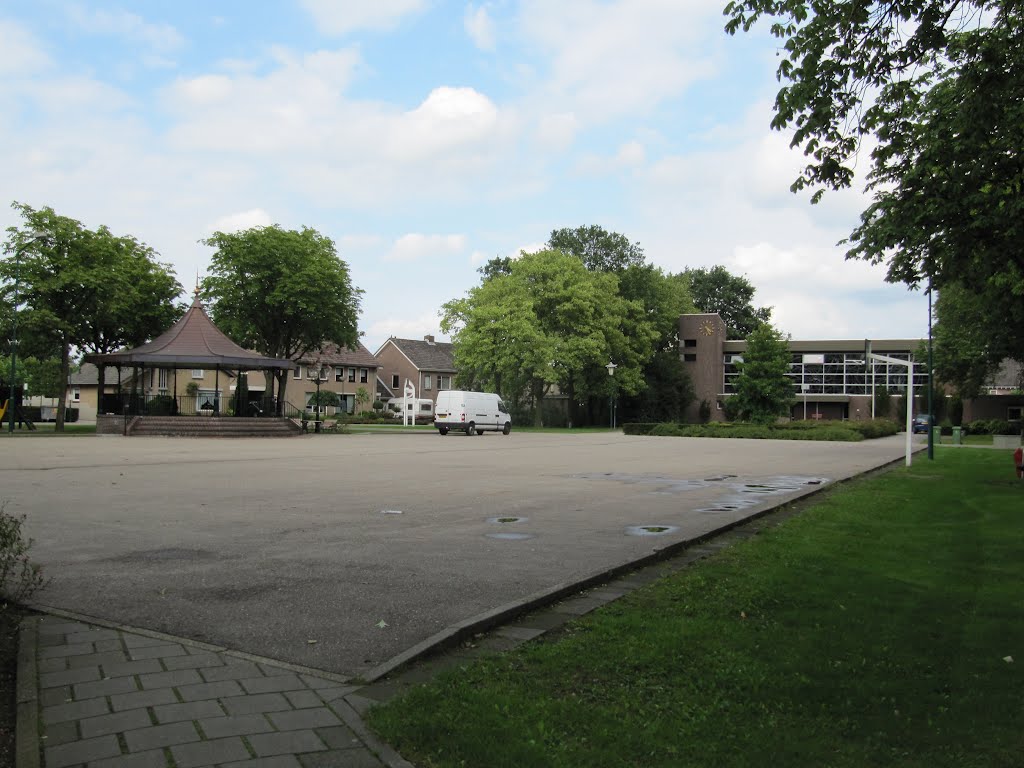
column 870, row 630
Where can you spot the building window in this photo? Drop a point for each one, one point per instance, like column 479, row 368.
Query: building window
column 297, row 373
column 76, row 394
column 325, row 373
column 689, row 357
column 395, row 384
column 352, row 374
column 1013, row 413
column 162, row 378
column 363, row 374
column 426, row 381
column 689, row 342
column 197, row 373
column 444, row 382
column 339, row 374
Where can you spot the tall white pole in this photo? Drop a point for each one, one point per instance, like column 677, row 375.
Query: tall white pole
column 910, row 407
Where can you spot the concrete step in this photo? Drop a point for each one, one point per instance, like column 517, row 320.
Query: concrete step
column 208, row 426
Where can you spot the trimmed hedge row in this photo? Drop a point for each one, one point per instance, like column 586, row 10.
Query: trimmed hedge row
column 992, row 427
column 838, row 431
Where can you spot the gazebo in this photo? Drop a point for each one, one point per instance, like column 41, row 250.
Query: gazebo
column 193, row 342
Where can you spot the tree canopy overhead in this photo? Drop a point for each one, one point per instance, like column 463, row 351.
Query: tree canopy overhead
column 936, row 86
column 281, row 292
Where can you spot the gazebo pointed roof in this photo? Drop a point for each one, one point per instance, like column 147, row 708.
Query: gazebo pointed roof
column 193, row 341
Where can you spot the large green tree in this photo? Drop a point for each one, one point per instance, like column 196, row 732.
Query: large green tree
column 82, row 289
column 549, row 321
column 764, row 391
column 281, row 292
column 716, row 289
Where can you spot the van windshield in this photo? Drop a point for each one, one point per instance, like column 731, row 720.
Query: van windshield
column 501, row 406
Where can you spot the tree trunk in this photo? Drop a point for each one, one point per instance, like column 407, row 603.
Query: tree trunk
column 570, row 390
column 538, row 403
column 65, row 371
column 282, row 383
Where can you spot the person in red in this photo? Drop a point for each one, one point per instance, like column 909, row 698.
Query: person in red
column 1018, row 459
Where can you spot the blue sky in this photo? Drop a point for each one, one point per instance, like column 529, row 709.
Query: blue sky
column 425, row 137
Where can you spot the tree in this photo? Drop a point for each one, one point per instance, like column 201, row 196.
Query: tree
column 548, row 321
column 938, row 88
column 731, row 296
column 283, row 293
column 499, row 265
column 598, row 249
column 973, row 334
column 764, row 391
column 84, row 289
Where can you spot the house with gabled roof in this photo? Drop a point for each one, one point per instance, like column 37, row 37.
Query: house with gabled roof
column 340, row 370
column 428, row 364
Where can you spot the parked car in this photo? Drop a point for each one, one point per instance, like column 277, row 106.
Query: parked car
column 921, row 423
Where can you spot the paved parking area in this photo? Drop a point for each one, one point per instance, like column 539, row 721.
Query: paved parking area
column 339, row 552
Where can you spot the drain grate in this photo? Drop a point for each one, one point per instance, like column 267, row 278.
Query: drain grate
column 507, row 520
column 650, row 530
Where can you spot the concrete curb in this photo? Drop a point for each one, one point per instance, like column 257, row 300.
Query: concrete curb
column 27, row 746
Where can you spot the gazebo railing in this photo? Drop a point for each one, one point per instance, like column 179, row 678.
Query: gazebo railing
column 129, row 404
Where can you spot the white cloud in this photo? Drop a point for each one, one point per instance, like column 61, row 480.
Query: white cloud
column 613, row 59
column 416, row 247
column 557, row 131
column 414, row 326
column 480, row 27
column 127, row 26
column 334, row 18
column 236, row 222
column 20, row 52
column 448, row 117
column 630, row 156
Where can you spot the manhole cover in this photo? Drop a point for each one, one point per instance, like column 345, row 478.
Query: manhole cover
column 650, row 530
column 510, row 536
column 391, row 512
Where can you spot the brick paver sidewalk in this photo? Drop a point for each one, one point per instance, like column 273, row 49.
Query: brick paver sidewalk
column 110, row 698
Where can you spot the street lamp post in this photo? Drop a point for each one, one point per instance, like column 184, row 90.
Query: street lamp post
column 33, row 237
column 611, row 397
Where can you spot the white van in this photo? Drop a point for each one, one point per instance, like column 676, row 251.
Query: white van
column 471, row 412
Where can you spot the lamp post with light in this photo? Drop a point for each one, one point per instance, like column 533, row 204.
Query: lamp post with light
column 611, row 397
column 33, row 237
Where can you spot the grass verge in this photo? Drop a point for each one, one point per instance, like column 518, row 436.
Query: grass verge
column 872, row 629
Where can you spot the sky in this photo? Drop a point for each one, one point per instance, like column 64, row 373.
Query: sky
column 426, row 137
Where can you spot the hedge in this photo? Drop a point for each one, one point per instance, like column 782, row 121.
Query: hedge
column 839, row 431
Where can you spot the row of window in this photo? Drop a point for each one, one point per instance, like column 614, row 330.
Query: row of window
column 443, row 382
column 838, row 373
column 339, row 373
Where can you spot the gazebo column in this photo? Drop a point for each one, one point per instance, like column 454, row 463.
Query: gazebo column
column 216, row 391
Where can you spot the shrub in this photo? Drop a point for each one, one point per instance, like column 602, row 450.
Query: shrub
column 638, row 428
column 19, row 577
column 668, row 429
